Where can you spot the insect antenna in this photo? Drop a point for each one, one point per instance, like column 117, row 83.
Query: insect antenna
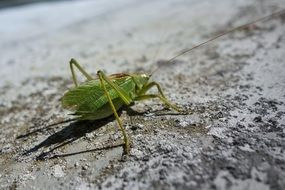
column 157, row 51
column 220, row 35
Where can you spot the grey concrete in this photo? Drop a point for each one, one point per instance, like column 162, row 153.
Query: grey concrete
column 233, row 89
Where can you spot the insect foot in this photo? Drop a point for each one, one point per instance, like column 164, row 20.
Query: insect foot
column 127, row 147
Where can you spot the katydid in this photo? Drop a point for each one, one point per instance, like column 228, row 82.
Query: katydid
column 101, row 97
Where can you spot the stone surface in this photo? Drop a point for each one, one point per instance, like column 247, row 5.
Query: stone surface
column 233, row 89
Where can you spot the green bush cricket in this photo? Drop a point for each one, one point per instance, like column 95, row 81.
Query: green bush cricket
column 101, row 97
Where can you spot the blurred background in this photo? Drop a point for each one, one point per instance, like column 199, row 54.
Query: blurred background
column 12, row 3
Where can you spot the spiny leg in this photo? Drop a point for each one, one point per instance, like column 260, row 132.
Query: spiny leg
column 161, row 96
column 149, row 86
column 75, row 63
column 126, row 140
column 121, row 92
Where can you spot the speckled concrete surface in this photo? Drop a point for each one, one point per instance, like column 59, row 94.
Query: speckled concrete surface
column 233, row 90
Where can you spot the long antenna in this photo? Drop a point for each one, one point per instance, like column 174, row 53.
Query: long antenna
column 222, row 34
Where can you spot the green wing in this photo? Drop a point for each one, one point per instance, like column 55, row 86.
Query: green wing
column 81, row 97
column 89, row 100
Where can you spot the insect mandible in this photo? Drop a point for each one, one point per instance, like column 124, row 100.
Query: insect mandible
column 101, row 97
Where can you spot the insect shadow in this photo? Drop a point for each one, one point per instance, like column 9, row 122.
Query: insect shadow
column 67, row 135
column 72, row 132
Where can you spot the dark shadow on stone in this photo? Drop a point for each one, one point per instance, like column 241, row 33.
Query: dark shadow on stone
column 71, row 133
column 161, row 112
column 45, row 128
column 45, row 155
column 132, row 112
column 77, row 130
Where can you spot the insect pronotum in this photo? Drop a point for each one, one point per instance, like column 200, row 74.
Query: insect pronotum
column 101, row 97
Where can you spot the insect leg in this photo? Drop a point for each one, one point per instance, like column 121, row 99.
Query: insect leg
column 126, row 140
column 149, row 86
column 122, row 93
column 161, row 95
column 75, row 63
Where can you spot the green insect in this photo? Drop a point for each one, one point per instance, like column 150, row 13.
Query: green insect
column 100, row 97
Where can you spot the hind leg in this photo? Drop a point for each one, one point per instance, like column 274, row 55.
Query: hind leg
column 72, row 63
column 104, row 79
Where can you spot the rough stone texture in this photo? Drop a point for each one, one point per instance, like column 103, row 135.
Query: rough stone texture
column 233, row 89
